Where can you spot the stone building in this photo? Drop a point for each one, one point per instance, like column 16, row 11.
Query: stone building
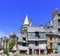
column 37, row 40
column 51, row 43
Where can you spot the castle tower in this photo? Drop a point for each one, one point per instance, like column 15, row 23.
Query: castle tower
column 26, row 23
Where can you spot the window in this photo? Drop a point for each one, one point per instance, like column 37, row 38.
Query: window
column 4, row 41
column 24, row 39
column 50, row 38
column 42, row 36
column 42, row 51
column 51, row 45
column 58, row 20
column 58, row 30
column 50, row 31
column 58, row 43
column 37, row 34
column 36, row 43
column 23, row 51
column 58, row 14
column 31, row 34
column 23, row 44
column 36, row 51
column 48, row 27
column 23, row 31
column 55, row 52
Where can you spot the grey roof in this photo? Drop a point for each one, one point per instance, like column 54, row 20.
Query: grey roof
column 20, row 37
column 36, row 29
column 26, row 21
column 51, row 23
column 13, row 33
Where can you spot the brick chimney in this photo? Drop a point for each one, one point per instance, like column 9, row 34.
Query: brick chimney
column 55, row 13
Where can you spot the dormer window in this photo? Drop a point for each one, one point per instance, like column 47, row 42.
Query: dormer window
column 37, row 34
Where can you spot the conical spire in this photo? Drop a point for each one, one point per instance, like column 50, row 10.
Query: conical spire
column 26, row 21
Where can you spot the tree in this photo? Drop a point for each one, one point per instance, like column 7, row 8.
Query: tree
column 6, row 50
column 11, row 44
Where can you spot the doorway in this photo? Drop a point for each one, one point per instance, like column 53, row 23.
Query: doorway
column 30, row 51
column 36, row 51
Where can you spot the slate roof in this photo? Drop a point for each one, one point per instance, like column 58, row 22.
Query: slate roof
column 26, row 21
column 36, row 29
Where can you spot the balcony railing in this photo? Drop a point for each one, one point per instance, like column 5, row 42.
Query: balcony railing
column 40, row 46
column 31, row 45
column 22, row 47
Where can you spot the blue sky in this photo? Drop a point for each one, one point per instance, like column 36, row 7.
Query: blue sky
column 12, row 13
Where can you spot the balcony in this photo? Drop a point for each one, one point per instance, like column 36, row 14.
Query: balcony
column 31, row 45
column 22, row 47
column 40, row 46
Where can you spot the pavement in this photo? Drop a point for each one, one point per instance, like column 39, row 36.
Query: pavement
column 41, row 55
column 30, row 55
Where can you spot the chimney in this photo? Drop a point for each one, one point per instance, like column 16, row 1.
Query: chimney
column 55, row 13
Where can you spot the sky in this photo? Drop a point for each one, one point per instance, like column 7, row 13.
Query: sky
column 13, row 12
